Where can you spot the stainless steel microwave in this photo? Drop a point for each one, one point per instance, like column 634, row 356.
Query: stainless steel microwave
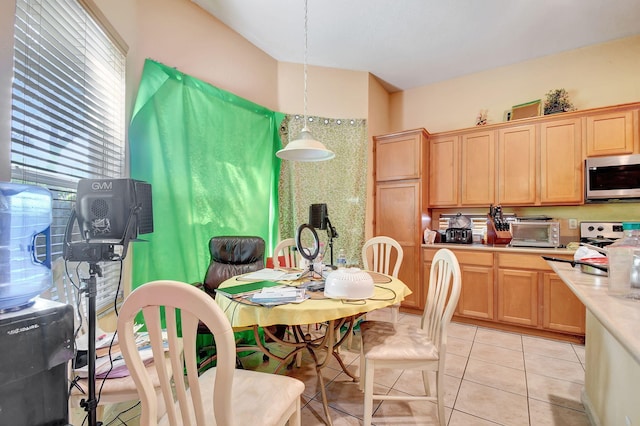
column 612, row 178
column 535, row 233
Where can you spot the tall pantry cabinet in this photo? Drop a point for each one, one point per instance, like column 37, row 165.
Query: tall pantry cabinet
column 401, row 201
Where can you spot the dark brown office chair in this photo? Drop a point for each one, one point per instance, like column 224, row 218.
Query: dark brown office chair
column 230, row 256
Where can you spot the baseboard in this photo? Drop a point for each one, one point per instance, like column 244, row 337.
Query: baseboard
column 572, row 338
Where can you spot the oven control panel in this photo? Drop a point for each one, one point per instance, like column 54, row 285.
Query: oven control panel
column 601, row 230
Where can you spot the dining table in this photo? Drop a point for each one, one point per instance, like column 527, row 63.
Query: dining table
column 336, row 316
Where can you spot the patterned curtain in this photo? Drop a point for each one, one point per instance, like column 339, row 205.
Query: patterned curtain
column 340, row 183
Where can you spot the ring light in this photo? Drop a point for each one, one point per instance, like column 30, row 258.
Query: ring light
column 306, row 251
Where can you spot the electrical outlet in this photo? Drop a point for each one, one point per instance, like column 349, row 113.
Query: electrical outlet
column 573, row 224
column 627, row 421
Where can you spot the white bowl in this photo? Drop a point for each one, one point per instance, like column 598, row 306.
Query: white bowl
column 349, row 283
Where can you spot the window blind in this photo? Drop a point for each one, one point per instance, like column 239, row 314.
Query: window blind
column 68, row 118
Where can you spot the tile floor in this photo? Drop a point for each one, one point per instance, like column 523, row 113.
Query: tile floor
column 491, row 378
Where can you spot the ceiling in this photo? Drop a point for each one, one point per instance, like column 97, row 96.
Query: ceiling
column 411, row 43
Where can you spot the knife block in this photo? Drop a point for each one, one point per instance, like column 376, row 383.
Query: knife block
column 495, row 237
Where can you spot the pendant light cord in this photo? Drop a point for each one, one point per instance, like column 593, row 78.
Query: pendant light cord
column 305, row 61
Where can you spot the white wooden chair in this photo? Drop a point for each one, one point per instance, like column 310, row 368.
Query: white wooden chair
column 384, row 255
column 402, row 346
column 288, row 250
column 222, row 395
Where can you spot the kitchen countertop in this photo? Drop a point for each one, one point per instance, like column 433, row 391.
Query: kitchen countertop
column 619, row 316
column 484, row 247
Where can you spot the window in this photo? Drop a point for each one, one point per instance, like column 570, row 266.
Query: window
column 67, row 114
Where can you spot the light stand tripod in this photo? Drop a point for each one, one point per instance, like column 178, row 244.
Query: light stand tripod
column 108, row 212
column 83, row 251
column 331, row 233
column 91, row 291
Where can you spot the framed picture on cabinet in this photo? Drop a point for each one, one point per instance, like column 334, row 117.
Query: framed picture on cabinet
column 529, row 109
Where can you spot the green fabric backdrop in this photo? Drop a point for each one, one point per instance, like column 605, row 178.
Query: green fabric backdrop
column 210, row 158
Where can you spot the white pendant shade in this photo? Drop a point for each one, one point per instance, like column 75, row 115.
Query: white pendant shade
column 305, row 148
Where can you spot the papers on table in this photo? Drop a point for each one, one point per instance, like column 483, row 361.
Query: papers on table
column 279, row 295
column 245, row 289
column 265, row 288
column 271, row 275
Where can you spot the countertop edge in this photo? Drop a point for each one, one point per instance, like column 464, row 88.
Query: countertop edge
column 502, row 248
column 618, row 315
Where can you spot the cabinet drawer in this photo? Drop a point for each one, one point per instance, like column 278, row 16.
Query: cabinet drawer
column 427, row 254
column 474, row 258
column 527, row 261
column 465, row 257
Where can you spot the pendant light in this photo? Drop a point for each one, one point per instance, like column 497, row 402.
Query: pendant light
column 306, row 147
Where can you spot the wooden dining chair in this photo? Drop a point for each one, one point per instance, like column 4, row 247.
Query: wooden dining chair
column 287, row 252
column 222, row 395
column 403, row 346
column 384, row 255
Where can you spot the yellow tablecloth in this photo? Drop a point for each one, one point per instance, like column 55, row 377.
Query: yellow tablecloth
column 311, row 310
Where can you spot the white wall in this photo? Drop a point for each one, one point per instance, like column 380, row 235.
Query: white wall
column 180, row 34
column 331, row 92
column 377, row 123
column 595, row 76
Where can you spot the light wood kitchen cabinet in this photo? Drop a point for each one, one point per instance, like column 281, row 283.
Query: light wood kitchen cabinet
column 462, row 170
column 530, row 293
column 477, row 169
column 517, row 165
column 563, row 311
column 611, row 133
column 397, row 213
column 426, row 270
column 444, row 173
column 400, row 203
column 476, row 295
column 561, row 162
column 518, row 288
column 518, row 296
column 512, row 290
column 399, row 156
column 530, row 162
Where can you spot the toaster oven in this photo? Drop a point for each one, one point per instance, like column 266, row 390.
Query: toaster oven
column 535, row 234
